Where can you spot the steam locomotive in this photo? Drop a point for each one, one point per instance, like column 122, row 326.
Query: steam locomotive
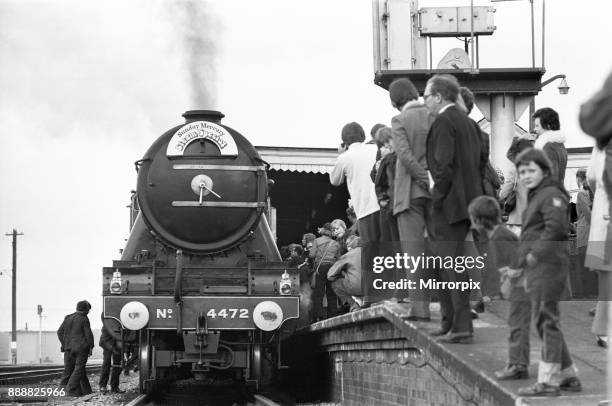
column 200, row 277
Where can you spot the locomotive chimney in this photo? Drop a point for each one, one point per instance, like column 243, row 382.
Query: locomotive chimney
column 203, row 115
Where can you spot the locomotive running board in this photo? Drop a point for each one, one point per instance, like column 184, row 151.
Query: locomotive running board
column 223, row 312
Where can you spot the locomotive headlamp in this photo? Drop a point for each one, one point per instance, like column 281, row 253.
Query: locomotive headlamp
column 285, row 284
column 267, row 315
column 134, row 315
column 115, row 284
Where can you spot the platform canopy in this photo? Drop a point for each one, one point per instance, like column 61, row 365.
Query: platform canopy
column 297, row 159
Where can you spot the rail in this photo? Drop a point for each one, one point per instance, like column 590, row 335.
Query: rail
column 35, row 373
column 259, row 401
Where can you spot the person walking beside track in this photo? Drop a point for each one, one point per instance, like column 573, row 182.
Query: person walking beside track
column 77, row 342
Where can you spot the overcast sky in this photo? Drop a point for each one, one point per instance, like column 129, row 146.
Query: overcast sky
column 85, row 87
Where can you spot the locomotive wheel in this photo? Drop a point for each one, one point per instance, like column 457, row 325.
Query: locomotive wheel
column 144, row 361
column 256, row 364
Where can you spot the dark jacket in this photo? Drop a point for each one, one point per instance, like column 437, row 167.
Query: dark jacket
column 75, row 333
column 110, row 337
column 384, row 180
column 557, row 154
column 502, row 249
column 544, row 235
column 455, row 159
column 552, row 143
column 491, row 182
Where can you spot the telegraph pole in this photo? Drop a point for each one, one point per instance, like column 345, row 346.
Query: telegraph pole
column 14, row 327
column 40, row 317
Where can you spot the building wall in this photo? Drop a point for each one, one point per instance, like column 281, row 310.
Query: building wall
column 390, row 383
column 5, row 348
column 28, row 347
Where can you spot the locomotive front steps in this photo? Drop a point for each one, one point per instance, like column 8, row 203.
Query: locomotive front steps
column 375, row 356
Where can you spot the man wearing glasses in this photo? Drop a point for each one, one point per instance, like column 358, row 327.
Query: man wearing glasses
column 454, row 154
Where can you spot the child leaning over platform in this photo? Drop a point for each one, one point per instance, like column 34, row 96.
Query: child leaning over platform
column 544, row 255
column 502, row 250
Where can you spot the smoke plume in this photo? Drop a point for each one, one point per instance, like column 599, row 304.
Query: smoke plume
column 198, row 26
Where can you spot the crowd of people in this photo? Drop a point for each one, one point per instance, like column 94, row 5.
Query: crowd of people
column 426, row 183
column 328, row 264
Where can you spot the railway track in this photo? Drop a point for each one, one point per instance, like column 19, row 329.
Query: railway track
column 259, row 401
column 184, row 393
column 200, row 395
column 143, row 400
column 21, row 374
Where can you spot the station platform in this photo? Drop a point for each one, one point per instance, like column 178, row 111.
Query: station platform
column 375, row 356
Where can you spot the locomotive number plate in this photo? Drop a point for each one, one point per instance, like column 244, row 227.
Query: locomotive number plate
column 222, row 312
column 228, row 313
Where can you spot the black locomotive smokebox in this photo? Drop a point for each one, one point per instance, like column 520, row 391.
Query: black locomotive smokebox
column 202, row 186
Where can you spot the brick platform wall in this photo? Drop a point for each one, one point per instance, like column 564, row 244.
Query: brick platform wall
column 371, row 383
column 377, row 362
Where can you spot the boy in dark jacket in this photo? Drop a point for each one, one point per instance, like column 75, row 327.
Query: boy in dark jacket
column 502, row 250
column 544, row 254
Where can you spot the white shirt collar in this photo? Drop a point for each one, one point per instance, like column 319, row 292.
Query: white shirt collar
column 443, row 109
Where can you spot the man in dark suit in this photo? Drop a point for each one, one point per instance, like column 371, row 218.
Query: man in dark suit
column 77, row 343
column 454, row 159
column 411, row 186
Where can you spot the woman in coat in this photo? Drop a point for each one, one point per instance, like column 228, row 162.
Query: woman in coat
column 544, row 256
column 596, row 120
column 586, row 281
column 597, row 236
column 511, row 184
